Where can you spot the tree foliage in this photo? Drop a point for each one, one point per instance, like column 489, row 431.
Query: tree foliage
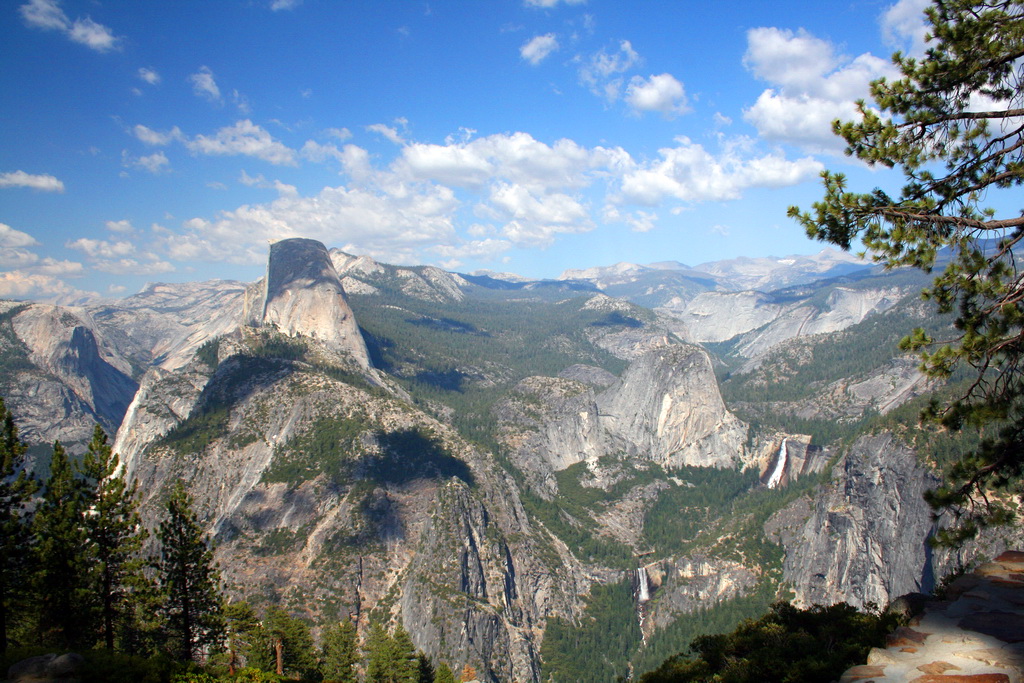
column 16, row 489
column 115, row 534
column 785, row 645
column 64, row 576
column 954, row 124
column 190, row 580
column 340, row 652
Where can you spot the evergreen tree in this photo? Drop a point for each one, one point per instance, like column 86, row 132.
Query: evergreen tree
column 115, row 532
column 392, row 659
column 243, row 633
column 16, row 489
column 189, row 580
column 289, row 644
column 340, row 653
column 443, row 674
column 66, row 604
column 954, row 124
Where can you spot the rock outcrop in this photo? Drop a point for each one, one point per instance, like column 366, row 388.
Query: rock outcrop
column 303, row 295
column 976, row 634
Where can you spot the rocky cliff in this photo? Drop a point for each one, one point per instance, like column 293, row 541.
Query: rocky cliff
column 303, row 296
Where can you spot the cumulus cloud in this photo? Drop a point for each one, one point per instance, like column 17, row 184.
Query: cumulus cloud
column 205, row 85
column 48, row 16
column 156, row 138
column 119, row 257
column 688, row 172
column 383, row 221
column 21, row 284
column 261, row 182
column 278, row 5
column 9, row 237
column 149, row 75
column 340, row 133
column 245, row 138
column 43, row 183
column 538, row 48
column 534, row 217
column 154, row 163
column 123, row 226
column 662, row 93
column 812, row 86
column 904, row 26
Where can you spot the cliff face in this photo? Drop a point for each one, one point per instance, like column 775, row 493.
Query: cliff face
column 863, row 537
column 303, row 295
column 64, row 377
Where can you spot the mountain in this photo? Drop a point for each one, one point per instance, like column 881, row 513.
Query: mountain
column 536, row 478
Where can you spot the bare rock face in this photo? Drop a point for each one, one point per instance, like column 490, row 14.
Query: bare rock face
column 666, row 407
column 864, row 536
column 303, row 295
column 67, row 377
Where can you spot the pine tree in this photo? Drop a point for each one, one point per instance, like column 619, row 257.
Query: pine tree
column 189, row 580
column 288, row 641
column 340, row 653
column 443, row 674
column 16, row 489
column 392, row 659
column 243, row 632
column 65, row 572
column 115, row 532
column 954, row 124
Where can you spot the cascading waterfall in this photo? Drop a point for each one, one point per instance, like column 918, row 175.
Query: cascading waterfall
column 643, row 594
column 780, row 465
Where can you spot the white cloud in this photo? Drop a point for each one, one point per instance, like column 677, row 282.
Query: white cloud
column 278, row 5
column 340, row 133
column 48, row 16
column 205, row 85
column 93, row 35
column 538, row 48
column 260, row 181
column 123, row 226
column 812, row 86
column 517, row 158
column 156, row 138
column 601, row 71
column 387, row 132
column 154, row 163
column 387, row 222
column 131, row 266
column 662, row 93
column 904, row 26
column 688, row 172
column 9, row 237
column 318, row 153
column 20, row 284
column 149, row 75
column 101, row 248
column 245, row 138
column 43, row 183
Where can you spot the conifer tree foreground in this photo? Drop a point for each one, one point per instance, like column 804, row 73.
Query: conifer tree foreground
column 190, row 581
column 16, row 488
column 115, row 534
column 340, row 653
column 65, row 569
column 954, row 124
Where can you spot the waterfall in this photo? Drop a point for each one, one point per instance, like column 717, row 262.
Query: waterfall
column 780, row 466
column 641, row 579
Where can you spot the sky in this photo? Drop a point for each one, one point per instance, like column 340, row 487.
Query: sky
column 173, row 141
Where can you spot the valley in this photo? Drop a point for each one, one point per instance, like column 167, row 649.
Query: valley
column 545, row 480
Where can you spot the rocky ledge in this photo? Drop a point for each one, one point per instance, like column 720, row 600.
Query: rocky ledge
column 975, row 635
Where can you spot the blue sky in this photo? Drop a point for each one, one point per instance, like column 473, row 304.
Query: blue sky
column 170, row 141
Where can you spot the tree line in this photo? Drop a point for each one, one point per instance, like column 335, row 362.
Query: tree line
column 78, row 573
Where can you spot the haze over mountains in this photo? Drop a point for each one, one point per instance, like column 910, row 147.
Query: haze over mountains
column 505, row 466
